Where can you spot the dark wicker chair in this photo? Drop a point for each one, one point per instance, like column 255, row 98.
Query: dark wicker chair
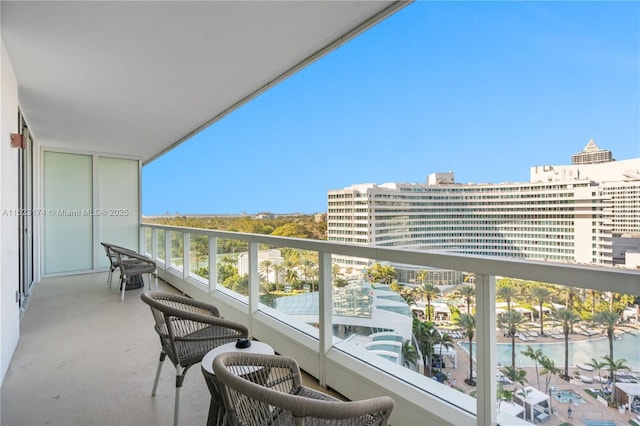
column 132, row 264
column 267, row 390
column 113, row 260
column 188, row 329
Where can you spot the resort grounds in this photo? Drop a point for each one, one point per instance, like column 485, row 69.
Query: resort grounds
column 591, row 412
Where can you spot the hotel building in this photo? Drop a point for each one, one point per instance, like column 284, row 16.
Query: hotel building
column 586, row 213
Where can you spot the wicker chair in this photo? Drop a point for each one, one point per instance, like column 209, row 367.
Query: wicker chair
column 132, row 264
column 267, row 390
column 188, row 329
column 113, row 260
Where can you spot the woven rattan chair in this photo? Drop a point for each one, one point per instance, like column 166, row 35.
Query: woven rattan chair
column 267, row 390
column 188, row 329
column 113, row 260
column 132, row 264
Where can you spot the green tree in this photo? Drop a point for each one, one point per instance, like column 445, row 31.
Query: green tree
column 278, row 268
column 535, row 356
column 516, row 375
column 382, row 273
column 508, row 293
column 598, row 365
column 512, row 320
column 548, row 370
column 445, row 341
column 290, row 270
column 428, row 291
column 422, row 275
column 467, row 323
column 425, row 336
column 541, row 294
column 609, row 320
column 614, row 367
column 265, row 267
column 468, row 292
column 409, row 354
column 567, row 318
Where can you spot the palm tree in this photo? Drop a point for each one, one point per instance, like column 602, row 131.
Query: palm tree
column 444, row 340
column 265, row 267
column 540, row 294
column 567, row 318
column 428, row 290
column 507, row 292
column 614, row 367
column 290, row 271
column 425, row 335
column 467, row 323
column 548, row 369
column 277, row 270
column 598, row 365
column 516, row 375
column 422, row 276
column 512, row 320
column 409, row 354
column 609, row 320
column 468, row 292
column 535, row 356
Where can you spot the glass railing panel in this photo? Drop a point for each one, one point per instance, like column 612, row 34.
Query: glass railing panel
column 289, row 286
column 412, row 318
column 177, row 250
column 199, row 257
column 233, row 266
column 148, row 249
column 563, row 348
column 162, row 244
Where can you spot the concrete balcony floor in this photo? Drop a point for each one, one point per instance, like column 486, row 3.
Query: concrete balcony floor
column 86, row 358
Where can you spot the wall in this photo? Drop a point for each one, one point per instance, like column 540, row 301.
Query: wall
column 9, row 311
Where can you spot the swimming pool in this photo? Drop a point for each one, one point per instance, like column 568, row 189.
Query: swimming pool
column 565, row 396
column 599, row 422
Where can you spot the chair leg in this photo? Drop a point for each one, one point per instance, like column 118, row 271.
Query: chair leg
column 157, row 379
column 109, row 277
column 179, row 379
column 123, row 284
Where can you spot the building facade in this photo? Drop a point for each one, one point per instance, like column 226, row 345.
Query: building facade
column 564, row 214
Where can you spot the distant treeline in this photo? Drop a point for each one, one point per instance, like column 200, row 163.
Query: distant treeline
column 297, row 226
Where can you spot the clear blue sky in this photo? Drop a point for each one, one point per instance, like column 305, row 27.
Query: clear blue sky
column 483, row 89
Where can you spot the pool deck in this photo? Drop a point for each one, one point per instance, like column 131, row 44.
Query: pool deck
column 592, row 409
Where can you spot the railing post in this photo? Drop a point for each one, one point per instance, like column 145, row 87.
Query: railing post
column 213, row 263
column 325, row 308
column 486, row 359
column 186, row 255
column 254, row 283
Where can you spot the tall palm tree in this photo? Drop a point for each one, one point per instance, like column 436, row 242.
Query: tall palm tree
column 409, row 354
column 540, row 294
column 512, row 320
column 609, row 320
column 445, row 341
column 567, row 318
column 535, row 356
column 508, row 293
column 277, row 270
column 548, row 369
column 265, row 267
column 467, row 323
column 425, row 335
column 598, row 365
column 516, row 375
column 614, row 367
column 428, row 291
column 290, row 270
column 468, row 292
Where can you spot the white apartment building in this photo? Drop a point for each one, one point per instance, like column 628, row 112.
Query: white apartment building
column 564, row 214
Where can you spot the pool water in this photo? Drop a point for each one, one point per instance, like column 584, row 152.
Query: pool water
column 599, row 423
column 565, row 395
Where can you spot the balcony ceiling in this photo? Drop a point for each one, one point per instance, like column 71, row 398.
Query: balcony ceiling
column 136, row 78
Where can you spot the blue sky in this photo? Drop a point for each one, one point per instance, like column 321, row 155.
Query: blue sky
column 483, row 89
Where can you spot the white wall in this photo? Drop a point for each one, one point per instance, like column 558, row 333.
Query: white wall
column 9, row 311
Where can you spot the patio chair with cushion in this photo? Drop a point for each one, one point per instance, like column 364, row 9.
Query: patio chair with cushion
column 262, row 389
column 188, row 329
column 132, row 264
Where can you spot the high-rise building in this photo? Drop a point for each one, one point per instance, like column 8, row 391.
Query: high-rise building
column 564, row 214
column 591, row 154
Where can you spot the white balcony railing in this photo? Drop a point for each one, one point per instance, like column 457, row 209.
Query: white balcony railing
column 354, row 373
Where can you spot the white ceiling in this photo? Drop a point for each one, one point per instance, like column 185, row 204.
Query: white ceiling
column 136, row 78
